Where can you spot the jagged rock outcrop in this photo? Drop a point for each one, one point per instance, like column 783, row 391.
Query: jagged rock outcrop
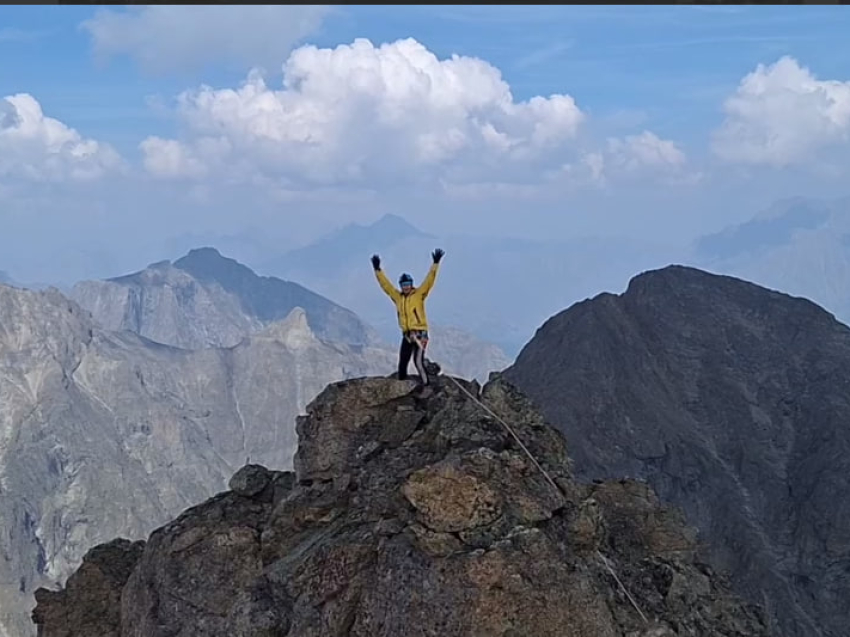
column 733, row 402
column 207, row 300
column 409, row 518
column 106, row 433
column 90, row 603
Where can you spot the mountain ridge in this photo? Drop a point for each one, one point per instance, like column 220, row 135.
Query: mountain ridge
column 105, row 433
column 800, row 245
column 206, row 299
column 729, row 399
column 225, row 282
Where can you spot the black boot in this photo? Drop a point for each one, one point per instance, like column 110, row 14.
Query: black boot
column 432, row 368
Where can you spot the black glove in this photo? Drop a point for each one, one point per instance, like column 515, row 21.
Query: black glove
column 437, row 255
column 376, row 262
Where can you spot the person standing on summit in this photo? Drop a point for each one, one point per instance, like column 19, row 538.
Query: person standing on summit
column 410, row 307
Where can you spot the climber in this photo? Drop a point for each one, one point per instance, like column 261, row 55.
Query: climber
column 410, row 306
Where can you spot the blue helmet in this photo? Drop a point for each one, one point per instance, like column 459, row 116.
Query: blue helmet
column 405, row 278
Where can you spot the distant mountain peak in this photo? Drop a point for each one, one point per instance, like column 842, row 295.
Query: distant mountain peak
column 205, row 252
column 207, row 262
column 392, row 222
column 209, row 265
column 771, row 228
column 202, row 277
column 792, row 207
column 346, row 245
column 387, row 229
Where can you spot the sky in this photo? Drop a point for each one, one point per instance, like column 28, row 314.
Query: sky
column 128, row 135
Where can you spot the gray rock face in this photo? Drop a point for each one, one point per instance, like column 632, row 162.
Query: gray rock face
column 410, row 518
column 208, row 300
column 205, row 299
column 733, row 402
column 106, row 434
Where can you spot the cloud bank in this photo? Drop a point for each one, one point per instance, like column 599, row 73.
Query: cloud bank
column 362, row 114
column 36, row 147
column 782, row 115
column 395, row 115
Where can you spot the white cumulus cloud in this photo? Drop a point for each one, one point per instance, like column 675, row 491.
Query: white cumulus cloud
column 164, row 38
column 632, row 156
column 38, row 147
column 781, row 115
column 169, row 158
column 359, row 112
column 646, row 150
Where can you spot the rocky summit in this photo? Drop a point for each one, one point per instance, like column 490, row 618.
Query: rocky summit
column 733, row 402
column 407, row 516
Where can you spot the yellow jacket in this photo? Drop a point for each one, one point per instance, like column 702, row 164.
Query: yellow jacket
column 410, row 307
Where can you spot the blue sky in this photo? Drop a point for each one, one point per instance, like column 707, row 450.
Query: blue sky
column 664, row 71
column 668, row 66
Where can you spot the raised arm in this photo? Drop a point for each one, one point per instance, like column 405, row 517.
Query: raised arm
column 383, row 281
column 428, row 281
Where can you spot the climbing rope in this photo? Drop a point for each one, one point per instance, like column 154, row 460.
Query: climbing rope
column 510, row 430
column 622, row 586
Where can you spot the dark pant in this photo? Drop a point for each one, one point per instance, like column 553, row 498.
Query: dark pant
column 410, row 347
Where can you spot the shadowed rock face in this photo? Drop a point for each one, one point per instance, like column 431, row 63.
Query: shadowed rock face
column 406, row 517
column 90, row 604
column 733, row 402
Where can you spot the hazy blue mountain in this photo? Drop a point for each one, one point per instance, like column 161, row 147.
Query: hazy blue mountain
column 346, row 246
column 800, row 246
column 498, row 289
column 775, row 227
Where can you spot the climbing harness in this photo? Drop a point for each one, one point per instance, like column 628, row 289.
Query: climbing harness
column 602, row 558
